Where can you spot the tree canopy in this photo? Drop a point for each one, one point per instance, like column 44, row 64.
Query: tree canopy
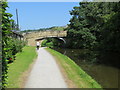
column 95, row 24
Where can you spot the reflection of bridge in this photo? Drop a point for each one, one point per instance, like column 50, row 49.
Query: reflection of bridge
column 40, row 35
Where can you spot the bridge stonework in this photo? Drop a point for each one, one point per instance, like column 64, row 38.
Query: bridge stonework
column 33, row 36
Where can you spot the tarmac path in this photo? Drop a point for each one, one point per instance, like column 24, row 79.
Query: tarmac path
column 45, row 72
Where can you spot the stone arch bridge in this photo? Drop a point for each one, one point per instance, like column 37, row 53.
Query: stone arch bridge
column 31, row 37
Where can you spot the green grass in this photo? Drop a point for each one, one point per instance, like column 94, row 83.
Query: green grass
column 20, row 65
column 74, row 72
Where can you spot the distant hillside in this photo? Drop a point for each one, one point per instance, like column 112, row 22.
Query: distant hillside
column 41, row 29
column 59, row 28
column 62, row 28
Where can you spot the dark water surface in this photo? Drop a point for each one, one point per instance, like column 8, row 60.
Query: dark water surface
column 106, row 76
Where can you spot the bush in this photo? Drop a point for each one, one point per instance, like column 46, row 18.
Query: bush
column 47, row 43
column 43, row 44
column 15, row 46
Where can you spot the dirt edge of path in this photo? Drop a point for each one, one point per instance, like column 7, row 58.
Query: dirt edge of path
column 66, row 79
column 24, row 76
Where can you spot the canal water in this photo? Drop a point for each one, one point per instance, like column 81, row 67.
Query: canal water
column 105, row 75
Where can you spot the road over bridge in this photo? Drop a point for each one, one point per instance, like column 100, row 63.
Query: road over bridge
column 31, row 37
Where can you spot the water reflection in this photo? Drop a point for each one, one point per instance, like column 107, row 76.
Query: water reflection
column 106, row 75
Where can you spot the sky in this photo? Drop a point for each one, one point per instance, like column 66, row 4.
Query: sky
column 36, row 15
column 44, row 0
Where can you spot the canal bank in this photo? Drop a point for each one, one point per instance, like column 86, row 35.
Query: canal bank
column 106, row 75
column 74, row 73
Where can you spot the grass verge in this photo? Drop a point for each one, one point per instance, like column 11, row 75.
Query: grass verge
column 74, row 72
column 20, row 65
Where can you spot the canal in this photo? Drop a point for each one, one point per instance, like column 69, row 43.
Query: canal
column 105, row 75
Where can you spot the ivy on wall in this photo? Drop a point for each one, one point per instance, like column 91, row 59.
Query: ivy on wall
column 10, row 45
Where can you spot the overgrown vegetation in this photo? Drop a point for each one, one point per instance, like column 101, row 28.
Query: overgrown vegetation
column 95, row 26
column 10, row 45
column 22, row 63
column 74, row 72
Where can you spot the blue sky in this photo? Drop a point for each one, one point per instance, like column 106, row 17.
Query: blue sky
column 35, row 15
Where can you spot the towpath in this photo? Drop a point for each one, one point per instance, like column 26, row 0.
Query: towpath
column 45, row 72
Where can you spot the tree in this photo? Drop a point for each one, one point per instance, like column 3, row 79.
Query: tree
column 95, row 26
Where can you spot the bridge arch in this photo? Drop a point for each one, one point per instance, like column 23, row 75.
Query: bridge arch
column 59, row 38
